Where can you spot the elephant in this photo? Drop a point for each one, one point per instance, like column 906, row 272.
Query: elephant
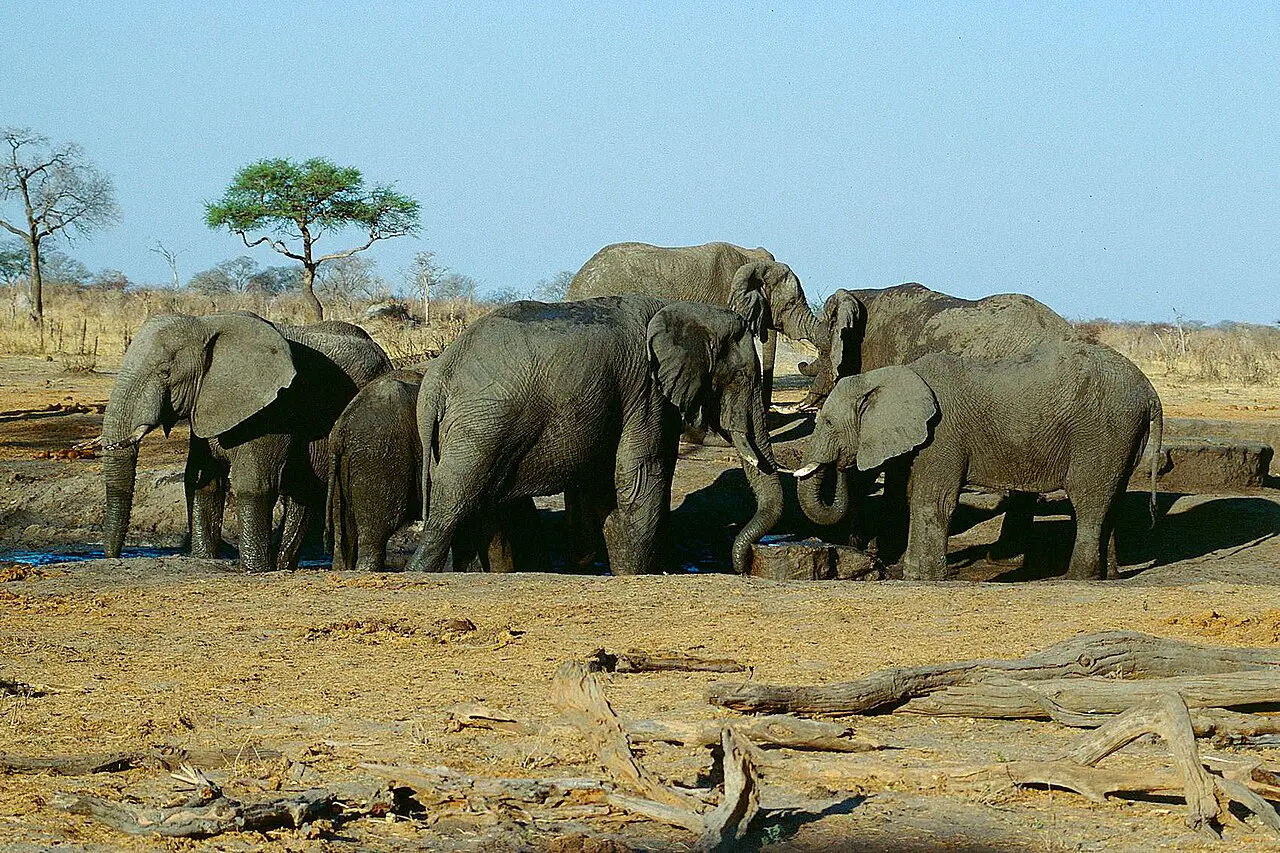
column 260, row 399
column 718, row 274
column 876, row 328
column 375, row 470
column 1067, row 415
column 589, row 398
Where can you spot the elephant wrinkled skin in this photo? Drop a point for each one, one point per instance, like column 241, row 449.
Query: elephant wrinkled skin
column 589, row 398
column 715, row 273
column 1073, row 416
column 375, row 482
column 260, row 399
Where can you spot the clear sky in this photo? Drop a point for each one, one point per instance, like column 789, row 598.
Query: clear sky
column 1111, row 159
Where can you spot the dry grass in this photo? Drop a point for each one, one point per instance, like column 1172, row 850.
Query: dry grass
column 1240, row 353
column 85, row 329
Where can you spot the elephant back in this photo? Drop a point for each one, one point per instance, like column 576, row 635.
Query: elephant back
column 909, row 321
column 696, row 273
column 347, row 345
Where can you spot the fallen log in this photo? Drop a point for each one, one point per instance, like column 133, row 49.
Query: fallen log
column 778, row 731
column 632, row 661
column 199, row 820
column 1007, row 699
column 435, row 785
column 166, row 758
column 1112, row 653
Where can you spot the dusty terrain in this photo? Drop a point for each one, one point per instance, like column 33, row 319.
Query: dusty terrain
column 334, row 669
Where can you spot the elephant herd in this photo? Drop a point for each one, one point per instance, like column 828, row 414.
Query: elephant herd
column 589, row 397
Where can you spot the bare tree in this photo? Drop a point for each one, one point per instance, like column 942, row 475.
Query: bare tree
column 170, row 258
column 423, row 275
column 61, row 192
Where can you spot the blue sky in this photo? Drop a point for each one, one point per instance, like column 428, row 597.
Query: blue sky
column 1110, row 159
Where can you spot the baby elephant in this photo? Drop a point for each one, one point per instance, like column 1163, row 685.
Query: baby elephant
column 375, row 487
column 1073, row 416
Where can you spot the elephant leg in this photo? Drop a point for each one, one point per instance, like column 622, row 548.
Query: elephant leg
column 586, row 505
column 768, row 354
column 631, row 531
column 473, row 538
column 1015, row 531
column 517, row 544
column 893, row 526
column 1089, row 556
column 454, row 497
column 254, row 510
column 205, row 481
column 926, row 555
column 293, row 528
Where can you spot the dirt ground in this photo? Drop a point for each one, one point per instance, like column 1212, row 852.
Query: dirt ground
column 334, row 669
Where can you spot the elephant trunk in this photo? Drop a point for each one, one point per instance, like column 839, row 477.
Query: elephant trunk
column 765, row 485
column 798, row 322
column 809, row 493
column 119, row 470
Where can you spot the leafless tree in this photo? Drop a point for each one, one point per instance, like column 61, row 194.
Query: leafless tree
column 170, row 258
column 60, row 192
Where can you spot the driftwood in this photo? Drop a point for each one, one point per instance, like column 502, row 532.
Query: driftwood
column 601, row 660
column 473, row 716
column 437, row 785
column 1112, row 653
column 199, row 819
column 779, row 731
column 577, row 692
column 166, row 758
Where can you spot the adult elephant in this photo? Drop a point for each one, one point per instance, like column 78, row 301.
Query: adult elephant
column 375, row 486
column 752, row 282
column 874, row 328
column 590, row 397
column 260, row 399
column 1067, row 415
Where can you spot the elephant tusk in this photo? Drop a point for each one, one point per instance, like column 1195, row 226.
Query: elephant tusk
column 807, row 470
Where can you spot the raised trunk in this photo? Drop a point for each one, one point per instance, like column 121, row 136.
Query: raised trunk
column 119, row 469
column 809, row 493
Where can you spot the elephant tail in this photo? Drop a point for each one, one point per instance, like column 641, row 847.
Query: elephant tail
column 1155, row 442
column 429, row 414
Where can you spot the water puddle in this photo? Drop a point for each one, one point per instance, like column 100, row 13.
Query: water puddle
column 49, row 558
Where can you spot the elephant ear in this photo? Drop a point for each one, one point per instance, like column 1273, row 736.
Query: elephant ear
column 846, row 318
column 747, row 298
column 247, row 365
column 681, row 350
column 895, row 415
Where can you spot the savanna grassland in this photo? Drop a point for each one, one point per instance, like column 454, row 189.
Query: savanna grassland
column 304, row 676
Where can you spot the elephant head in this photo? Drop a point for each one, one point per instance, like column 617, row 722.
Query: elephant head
column 845, row 319
column 215, row 371
column 783, row 306
column 704, row 362
column 867, row 420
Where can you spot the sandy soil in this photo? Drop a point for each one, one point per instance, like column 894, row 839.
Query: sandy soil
column 334, row 669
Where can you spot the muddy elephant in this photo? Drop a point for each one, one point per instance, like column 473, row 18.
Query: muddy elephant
column 876, row 328
column 1068, row 415
column 715, row 273
column 590, row 397
column 375, row 482
column 260, row 398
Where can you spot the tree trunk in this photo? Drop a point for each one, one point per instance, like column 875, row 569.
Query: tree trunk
column 309, row 293
column 35, row 288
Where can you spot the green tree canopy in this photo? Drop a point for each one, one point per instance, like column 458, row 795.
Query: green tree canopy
column 297, row 204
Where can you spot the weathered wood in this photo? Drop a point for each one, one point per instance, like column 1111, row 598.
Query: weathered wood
column 633, row 661
column 442, row 784
column 199, row 821
column 471, row 715
column 812, row 560
column 577, row 693
column 1019, row 700
column 1112, row 653
column 1166, row 716
column 727, row 823
column 779, row 731
column 168, row 758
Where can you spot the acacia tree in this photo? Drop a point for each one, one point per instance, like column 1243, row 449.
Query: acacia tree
column 302, row 202
column 61, row 192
